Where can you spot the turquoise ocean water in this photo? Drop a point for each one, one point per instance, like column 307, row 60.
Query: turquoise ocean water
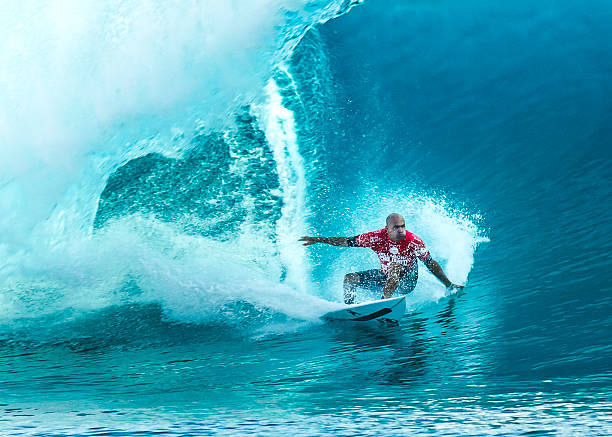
column 160, row 160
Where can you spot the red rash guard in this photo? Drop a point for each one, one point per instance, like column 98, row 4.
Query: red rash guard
column 403, row 252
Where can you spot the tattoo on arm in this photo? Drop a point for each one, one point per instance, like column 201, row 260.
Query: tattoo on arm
column 334, row 241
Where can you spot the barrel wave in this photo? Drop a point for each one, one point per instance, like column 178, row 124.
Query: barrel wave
column 160, row 161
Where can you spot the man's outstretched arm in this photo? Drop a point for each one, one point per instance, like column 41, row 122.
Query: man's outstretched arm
column 435, row 268
column 334, row 241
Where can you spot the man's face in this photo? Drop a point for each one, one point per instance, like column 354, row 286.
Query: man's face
column 396, row 228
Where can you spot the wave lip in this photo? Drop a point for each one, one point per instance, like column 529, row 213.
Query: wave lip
column 89, row 86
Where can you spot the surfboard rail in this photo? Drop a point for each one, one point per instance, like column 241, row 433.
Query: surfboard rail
column 384, row 310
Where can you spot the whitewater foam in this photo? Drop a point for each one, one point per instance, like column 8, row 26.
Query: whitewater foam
column 282, row 138
column 91, row 86
column 86, row 82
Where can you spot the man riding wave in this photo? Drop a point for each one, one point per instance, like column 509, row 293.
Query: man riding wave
column 397, row 250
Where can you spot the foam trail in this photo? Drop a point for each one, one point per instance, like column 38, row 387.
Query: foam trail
column 194, row 278
column 281, row 134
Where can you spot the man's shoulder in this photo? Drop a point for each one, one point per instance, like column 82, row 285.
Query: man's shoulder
column 380, row 233
column 410, row 237
column 377, row 233
column 372, row 237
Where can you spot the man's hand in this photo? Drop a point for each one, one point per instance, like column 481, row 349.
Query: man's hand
column 435, row 268
column 453, row 287
column 309, row 240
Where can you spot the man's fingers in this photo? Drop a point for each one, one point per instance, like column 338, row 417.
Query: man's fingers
column 308, row 240
column 456, row 287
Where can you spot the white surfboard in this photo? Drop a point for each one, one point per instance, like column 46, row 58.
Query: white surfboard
column 384, row 310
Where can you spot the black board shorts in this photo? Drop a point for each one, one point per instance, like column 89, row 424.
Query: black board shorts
column 377, row 279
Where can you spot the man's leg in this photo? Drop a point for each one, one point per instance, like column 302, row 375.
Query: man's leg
column 408, row 279
column 350, row 282
column 367, row 278
column 393, row 277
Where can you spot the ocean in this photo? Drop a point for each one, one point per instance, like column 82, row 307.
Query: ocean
column 159, row 162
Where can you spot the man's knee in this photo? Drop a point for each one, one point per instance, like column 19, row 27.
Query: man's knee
column 351, row 278
column 395, row 270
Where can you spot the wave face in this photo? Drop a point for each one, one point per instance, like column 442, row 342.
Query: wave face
column 159, row 124
column 160, row 160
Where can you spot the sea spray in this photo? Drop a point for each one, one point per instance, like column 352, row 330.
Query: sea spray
column 91, row 87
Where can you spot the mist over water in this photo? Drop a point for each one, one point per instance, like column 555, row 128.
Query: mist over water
column 162, row 88
column 160, row 160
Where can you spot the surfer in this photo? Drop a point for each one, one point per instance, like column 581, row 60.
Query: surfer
column 397, row 250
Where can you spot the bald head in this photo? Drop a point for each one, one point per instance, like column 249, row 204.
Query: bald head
column 393, row 217
column 396, row 227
